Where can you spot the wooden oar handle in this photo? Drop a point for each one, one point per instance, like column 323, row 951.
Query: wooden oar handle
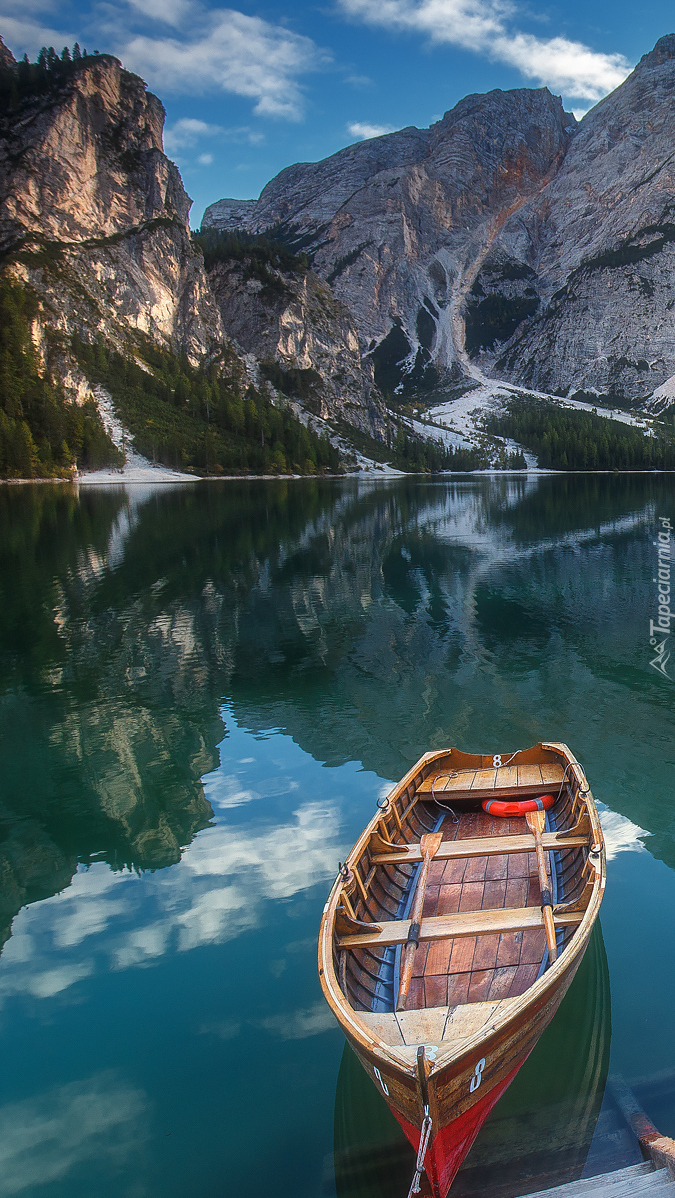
column 408, row 955
column 535, row 822
column 429, row 845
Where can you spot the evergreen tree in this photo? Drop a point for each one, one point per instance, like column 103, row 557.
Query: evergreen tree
column 77, row 53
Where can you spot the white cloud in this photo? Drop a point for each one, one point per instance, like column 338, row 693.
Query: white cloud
column 225, row 790
column 485, row 27
column 222, row 49
column 360, row 81
column 362, row 130
column 187, row 132
column 169, row 12
column 567, row 67
column 23, row 34
column 143, row 946
column 224, row 1029
column 53, row 981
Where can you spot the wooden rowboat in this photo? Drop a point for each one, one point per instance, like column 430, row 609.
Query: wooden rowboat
column 451, row 936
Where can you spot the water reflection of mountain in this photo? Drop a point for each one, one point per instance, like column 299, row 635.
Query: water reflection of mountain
column 369, row 621
column 476, row 611
column 540, row 1132
column 90, row 769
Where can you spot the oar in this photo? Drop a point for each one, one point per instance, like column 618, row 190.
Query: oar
column 536, row 821
column 429, row 846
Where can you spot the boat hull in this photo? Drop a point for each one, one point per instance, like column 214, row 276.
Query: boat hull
column 458, row 1111
column 448, row 1149
column 454, row 1051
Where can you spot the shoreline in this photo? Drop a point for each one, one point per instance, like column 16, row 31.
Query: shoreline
column 365, row 475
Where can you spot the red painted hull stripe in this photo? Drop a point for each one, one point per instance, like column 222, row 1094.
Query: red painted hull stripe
column 451, row 1144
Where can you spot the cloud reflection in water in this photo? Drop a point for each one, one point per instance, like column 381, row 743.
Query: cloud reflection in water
column 120, row 920
column 44, row 1138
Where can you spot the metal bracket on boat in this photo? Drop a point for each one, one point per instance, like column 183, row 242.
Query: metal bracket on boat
column 348, row 879
column 425, row 1136
column 425, row 1132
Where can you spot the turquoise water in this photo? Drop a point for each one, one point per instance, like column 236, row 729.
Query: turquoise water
column 204, row 690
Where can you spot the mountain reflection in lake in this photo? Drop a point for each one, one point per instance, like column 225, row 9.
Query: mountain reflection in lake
column 204, row 689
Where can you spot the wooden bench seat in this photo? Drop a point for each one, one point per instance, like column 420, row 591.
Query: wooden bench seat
column 508, row 781
column 469, row 923
column 479, row 846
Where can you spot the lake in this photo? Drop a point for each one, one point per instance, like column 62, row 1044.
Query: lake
column 205, row 689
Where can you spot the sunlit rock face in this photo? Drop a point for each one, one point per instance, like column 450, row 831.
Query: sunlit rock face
column 398, row 224
column 96, row 217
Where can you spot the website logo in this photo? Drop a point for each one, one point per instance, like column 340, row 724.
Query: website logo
column 659, row 629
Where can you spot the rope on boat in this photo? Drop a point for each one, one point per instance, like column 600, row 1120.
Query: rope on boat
column 445, row 807
column 455, row 774
column 582, row 791
column 421, row 1153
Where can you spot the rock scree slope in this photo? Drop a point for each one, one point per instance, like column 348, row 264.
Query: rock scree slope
column 507, row 239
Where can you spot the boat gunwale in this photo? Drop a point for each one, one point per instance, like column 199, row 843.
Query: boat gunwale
column 450, row 1052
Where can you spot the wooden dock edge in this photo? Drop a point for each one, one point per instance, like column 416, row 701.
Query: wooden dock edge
column 658, row 1151
column 655, row 1147
column 661, row 1151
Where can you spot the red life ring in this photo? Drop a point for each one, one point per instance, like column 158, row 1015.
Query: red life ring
column 497, row 807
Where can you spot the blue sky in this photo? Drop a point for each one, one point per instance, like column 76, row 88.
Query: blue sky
column 253, row 88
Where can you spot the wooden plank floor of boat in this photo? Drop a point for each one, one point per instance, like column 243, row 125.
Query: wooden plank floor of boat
column 476, row 969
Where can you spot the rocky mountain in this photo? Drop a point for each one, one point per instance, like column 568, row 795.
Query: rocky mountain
column 597, row 248
column 304, row 337
column 398, row 225
column 94, row 231
column 506, row 239
column 94, row 216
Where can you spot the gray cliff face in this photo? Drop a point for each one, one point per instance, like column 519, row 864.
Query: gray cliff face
column 95, row 216
column 395, row 224
column 302, row 326
column 599, row 247
column 506, row 239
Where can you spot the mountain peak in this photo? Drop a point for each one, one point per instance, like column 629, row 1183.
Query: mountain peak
column 662, row 52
